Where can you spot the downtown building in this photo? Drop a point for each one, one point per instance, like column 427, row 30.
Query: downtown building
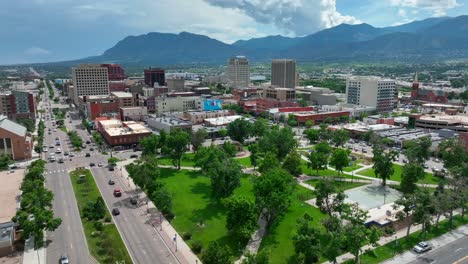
column 155, row 75
column 90, row 79
column 371, row 91
column 283, row 73
column 238, row 72
column 18, row 105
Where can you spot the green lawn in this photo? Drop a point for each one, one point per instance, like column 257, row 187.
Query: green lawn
column 354, row 167
column 245, row 162
column 340, row 185
column 100, row 243
column 63, row 128
column 387, row 251
column 429, row 178
column 193, row 204
column 187, row 160
column 327, row 172
column 278, row 241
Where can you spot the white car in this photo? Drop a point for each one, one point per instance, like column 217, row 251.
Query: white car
column 58, row 150
column 45, row 149
column 64, row 259
column 422, row 247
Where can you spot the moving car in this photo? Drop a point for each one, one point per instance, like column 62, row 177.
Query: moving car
column 134, row 200
column 58, row 151
column 111, row 168
column 60, row 160
column 88, row 155
column 422, row 247
column 71, row 154
column 66, row 153
column 45, row 149
column 111, row 182
column 100, row 165
column 64, row 259
column 91, row 149
column 117, row 193
column 115, row 211
column 91, row 164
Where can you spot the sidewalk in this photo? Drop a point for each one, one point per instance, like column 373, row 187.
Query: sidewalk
column 32, row 256
column 443, row 240
column 179, row 249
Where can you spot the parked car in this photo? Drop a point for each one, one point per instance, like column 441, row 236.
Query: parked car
column 100, row 165
column 66, row 153
column 111, row 168
column 60, row 160
column 91, row 149
column 134, row 200
column 88, row 155
column 115, row 211
column 422, row 247
column 117, row 193
column 133, row 156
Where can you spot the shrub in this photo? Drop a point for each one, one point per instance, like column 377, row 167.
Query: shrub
column 107, row 219
column 197, row 247
column 98, row 225
column 187, row 236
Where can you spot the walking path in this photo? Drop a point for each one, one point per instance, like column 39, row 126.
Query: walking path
column 171, row 238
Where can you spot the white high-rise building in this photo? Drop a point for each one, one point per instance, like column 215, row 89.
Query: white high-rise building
column 371, row 91
column 238, row 72
column 90, row 79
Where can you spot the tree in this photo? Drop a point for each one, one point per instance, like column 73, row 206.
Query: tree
column 229, row 148
column 149, row 145
column 355, row 233
column 222, row 133
column 241, row 217
column 307, row 240
column 313, row 135
column 318, row 161
column 239, row 130
column 207, row 157
column 328, row 199
column 177, row 142
column 340, row 136
column 216, row 254
column 452, row 153
column 260, row 258
column 423, row 210
column 340, row 159
column 260, row 127
column 269, row 162
column 309, row 123
column 253, row 148
column 407, row 204
column 292, row 163
column 112, row 161
column 331, row 245
column 162, row 199
column 273, row 193
column 144, row 172
column 412, row 173
column 292, row 120
column 418, row 151
column 198, row 138
column 225, row 177
column 278, row 140
column 5, row 160
column 383, row 163
column 96, row 210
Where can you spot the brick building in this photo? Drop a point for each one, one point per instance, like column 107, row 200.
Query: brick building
column 18, row 105
column 432, row 96
column 155, row 75
column 116, row 132
column 115, row 72
column 261, row 105
column 15, row 140
column 318, row 117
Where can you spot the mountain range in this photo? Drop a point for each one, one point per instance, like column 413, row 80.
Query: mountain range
column 427, row 40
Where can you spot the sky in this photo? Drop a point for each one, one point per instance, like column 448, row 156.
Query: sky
column 58, row 30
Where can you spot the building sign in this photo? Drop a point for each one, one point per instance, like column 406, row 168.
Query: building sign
column 212, row 104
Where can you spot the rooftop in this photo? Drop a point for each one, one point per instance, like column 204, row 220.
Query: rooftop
column 122, row 94
column 221, row 121
column 10, row 193
column 12, row 127
column 449, row 119
column 116, row 127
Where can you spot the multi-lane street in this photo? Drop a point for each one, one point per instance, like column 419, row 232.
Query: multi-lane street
column 455, row 252
column 137, row 231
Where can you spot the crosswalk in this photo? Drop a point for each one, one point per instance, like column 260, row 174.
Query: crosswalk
column 55, row 172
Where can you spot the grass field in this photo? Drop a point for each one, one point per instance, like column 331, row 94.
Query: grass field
column 429, row 178
column 278, row 241
column 100, row 243
column 340, row 185
column 354, row 167
column 187, row 160
column 195, row 209
column 386, row 251
column 245, row 162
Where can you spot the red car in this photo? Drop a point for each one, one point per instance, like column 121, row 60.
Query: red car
column 117, row 193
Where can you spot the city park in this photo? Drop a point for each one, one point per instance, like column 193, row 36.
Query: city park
column 262, row 198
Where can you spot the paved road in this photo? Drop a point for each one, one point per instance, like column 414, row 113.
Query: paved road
column 69, row 237
column 143, row 242
column 454, row 252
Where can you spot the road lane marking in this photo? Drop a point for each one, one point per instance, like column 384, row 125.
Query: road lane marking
column 460, row 260
column 71, row 245
column 458, row 249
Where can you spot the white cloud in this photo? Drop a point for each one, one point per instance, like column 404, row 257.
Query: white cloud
column 436, row 7
column 298, row 16
column 402, row 12
column 34, row 51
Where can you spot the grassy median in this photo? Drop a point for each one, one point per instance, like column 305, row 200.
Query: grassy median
column 104, row 241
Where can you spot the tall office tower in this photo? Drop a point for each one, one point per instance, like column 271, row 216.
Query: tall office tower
column 90, row 79
column 283, row 73
column 238, row 72
column 371, row 91
column 115, row 72
column 155, row 75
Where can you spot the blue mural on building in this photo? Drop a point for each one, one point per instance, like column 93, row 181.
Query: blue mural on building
column 212, row 104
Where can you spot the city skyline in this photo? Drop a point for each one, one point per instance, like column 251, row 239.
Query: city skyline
column 50, row 30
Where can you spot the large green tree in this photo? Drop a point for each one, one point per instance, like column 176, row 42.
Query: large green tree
column 418, row 151
column 328, row 198
column 260, row 127
column 239, row 130
column 292, row 163
column 410, row 175
column 225, row 177
column 273, row 193
column 383, row 163
column 313, row 135
column 241, row 217
column 269, row 162
column 177, row 142
column 340, row 137
column 216, row 253
column 307, row 241
column 149, row 145
column 340, row 159
column 278, row 140
column 198, row 138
